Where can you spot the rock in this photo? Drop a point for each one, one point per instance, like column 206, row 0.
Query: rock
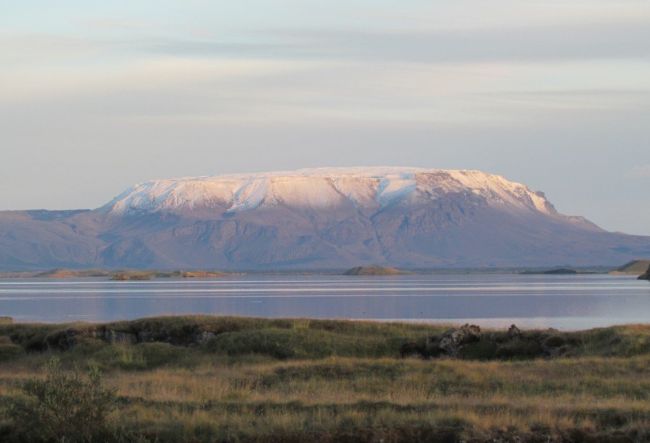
column 513, row 332
column 646, row 275
column 453, row 340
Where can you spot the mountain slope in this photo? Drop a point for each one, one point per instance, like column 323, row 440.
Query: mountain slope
column 317, row 218
column 325, row 188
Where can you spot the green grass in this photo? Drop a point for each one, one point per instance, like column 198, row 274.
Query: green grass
column 244, row 379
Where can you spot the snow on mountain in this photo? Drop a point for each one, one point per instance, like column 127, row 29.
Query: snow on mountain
column 368, row 188
column 316, row 219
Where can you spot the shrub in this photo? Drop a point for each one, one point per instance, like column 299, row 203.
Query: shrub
column 480, row 350
column 159, row 354
column 142, row 356
column 276, row 343
column 519, row 349
column 301, row 343
column 8, row 352
column 65, row 406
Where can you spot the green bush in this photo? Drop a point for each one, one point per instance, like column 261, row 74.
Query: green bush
column 8, row 352
column 158, row 354
column 86, row 346
column 480, row 350
column 66, row 406
column 277, row 343
column 5, row 340
column 301, row 343
column 519, row 349
column 120, row 356
column 30, row 337
column 141, row 357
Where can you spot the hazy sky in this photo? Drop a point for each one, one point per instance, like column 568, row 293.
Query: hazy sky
column 96, row 96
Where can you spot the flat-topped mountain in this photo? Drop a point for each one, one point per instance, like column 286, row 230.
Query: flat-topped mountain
column 315, row 218
column 324, row 188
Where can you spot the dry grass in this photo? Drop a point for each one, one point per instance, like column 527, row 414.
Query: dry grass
column 196, row 394
column 322, row 397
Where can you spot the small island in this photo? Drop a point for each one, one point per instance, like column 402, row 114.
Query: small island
column 556, row 271
column 148, row 275
column 114, row 275
column 634, row 267
column 373, row 270
column 132, row 276
column 645, row 275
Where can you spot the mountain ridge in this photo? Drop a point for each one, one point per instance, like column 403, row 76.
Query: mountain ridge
column 316, row 219
column 359, row 184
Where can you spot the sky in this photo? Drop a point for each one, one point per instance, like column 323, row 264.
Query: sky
column 96, row 96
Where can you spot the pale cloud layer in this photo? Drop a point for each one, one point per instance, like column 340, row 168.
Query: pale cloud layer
column 640, row 172
column 555, row 94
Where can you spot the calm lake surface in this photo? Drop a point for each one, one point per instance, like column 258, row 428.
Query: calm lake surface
column 565, row 302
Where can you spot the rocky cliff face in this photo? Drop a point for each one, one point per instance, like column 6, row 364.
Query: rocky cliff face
column 319, row 218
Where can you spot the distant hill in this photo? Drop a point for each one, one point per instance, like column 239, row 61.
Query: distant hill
column 634, row 267
column 331, row 218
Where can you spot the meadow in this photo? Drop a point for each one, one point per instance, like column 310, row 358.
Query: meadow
column 241, row 379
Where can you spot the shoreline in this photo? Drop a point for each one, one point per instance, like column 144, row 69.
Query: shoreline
column 100, row 273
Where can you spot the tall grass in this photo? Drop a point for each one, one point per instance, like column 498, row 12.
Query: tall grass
column 303, row 380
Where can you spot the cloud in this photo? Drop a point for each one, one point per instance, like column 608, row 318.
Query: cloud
column 541, row 43
column 202, row 91
column 623, row 40
column 504, row 14
column 639, row 172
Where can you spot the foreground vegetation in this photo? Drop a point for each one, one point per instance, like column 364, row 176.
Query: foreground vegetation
column 237, row 379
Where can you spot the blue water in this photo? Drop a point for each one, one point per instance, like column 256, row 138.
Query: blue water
column 565, row 302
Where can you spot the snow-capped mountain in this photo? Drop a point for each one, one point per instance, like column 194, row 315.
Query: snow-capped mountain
column 316, row 218
column 323, row 188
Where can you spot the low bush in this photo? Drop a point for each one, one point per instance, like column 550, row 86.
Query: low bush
column 519, row 349
column 480, row 350
column 140, row 357
column 301, row 343
column 66, row 406
column 277, row 343
column 9, row 352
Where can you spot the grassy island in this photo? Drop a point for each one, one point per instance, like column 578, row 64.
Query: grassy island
column 373, row 270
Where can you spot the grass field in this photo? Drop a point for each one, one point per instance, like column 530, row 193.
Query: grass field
column 232, row 379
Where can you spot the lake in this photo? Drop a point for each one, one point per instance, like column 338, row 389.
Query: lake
column 564, row 302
